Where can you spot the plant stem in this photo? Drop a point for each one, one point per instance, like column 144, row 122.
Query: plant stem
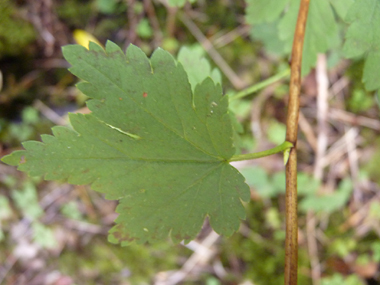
column 260, row 85
column 281, row 148
column 291, row 241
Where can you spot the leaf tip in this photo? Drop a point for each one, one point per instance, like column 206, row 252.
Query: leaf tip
column 95, row 46
column 15, row 158
column 70, row 52
column 117, row 235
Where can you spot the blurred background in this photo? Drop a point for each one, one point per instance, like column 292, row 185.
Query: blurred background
column 55, row 233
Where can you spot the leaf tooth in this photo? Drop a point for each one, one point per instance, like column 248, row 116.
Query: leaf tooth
column 112, row 47
column 162, row 59
column 137, row 57
column 95, row 47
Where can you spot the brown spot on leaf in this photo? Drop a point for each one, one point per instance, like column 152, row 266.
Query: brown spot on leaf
column 22, row 160
column 180, row 237
column 120, row 235
column 120, row 98
column 145, row 94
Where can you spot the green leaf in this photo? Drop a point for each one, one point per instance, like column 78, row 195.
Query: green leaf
column 71, row 211
column 30, row 115
column 271, row 186
column 149, row 142
column 197, row 66
column 259, row 180
column 5, row 209
column 276, row 132
column 328, row 203
column 343, row 246
column 360, row 101
column 338, row 279
column 179, row 3
column 267, row 33
column 341, row 7
column 261, row 11
column 144, row 29
column 107, row 6
column 43, row 235
column 307, row 185
column 375, row 246
column 363, row 38
column 26, row 201
column 321, row 31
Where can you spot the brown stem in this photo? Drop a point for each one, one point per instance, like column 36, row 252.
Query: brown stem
column 291, row 242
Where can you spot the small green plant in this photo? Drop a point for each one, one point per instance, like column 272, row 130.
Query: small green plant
column 274, row 21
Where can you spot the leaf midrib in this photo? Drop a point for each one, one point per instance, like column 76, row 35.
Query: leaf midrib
column 136, row 160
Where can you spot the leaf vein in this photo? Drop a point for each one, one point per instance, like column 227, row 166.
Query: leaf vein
column 148, row 112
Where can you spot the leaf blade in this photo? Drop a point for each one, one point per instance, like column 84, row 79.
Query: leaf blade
column 149, row 142
column 363, row 38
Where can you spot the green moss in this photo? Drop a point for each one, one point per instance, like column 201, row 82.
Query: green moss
column 76, row 13
column 103, row 263
column 15, row 32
